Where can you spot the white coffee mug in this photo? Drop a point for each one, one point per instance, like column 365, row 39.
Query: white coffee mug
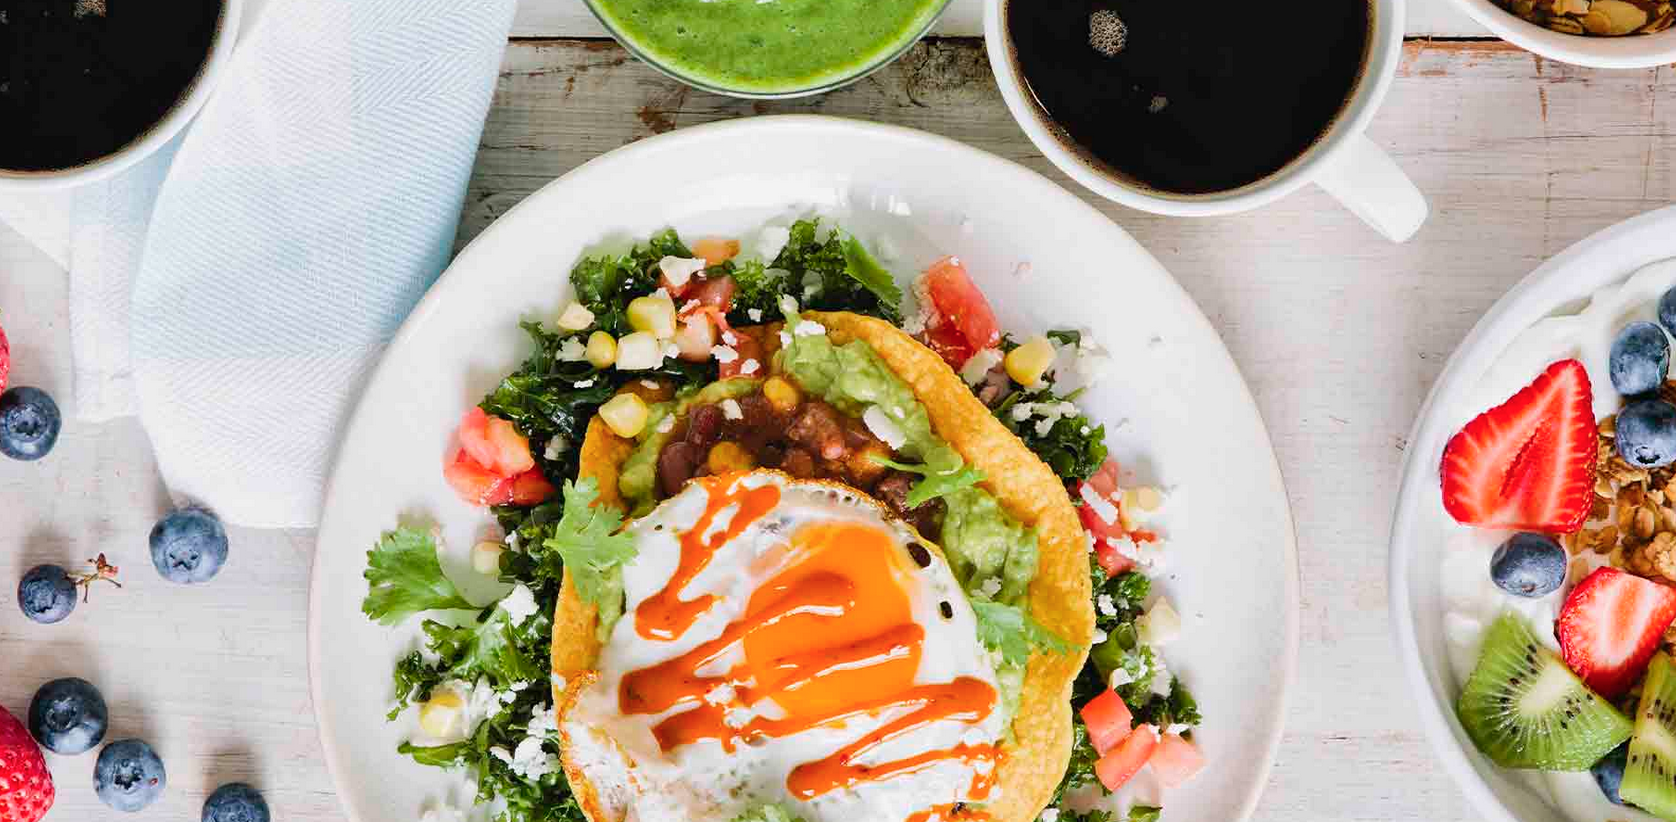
column 1344, row 162
column 158, row 135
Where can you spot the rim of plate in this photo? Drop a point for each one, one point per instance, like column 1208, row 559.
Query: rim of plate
column 1011, row 176
column 1531, row 299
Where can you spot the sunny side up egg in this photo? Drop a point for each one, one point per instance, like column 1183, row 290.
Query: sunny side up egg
column 785, row 642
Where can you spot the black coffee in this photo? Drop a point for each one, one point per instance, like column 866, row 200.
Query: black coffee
column 80, row 79
column 1191, row 98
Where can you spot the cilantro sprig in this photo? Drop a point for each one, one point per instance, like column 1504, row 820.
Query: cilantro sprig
column 933, row 483
column 586, row 539
column 405, row 578
column 1014, row 633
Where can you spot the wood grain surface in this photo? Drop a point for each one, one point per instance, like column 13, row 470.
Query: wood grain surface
column 1339, row 333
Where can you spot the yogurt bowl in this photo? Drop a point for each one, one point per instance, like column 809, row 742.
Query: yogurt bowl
column 1442, row 598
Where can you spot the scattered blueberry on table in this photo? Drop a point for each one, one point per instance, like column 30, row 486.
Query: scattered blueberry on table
column 1529, row 565
column 1639, row 359
column 188, row 545
column 29, row 423
column 1609, row 772
column 1646, row 433
column 236, row 802
column 47, row 594
column 129, row 775
column 68, row 716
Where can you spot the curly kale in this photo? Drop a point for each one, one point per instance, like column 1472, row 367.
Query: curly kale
column 1074, row 447
column 824, row 273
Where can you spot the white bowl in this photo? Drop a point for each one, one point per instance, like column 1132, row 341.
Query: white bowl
column 1631, row 51
column 191, row 100
column 1559, row 286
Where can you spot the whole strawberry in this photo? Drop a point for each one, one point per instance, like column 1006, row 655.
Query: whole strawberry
column 25, row 786
column 5, row 359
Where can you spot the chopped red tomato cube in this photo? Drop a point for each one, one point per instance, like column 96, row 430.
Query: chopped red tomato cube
column 1176, row 760
column 1108, row 720
column 949, row 344
column 959, row 303
column 749, row 350
column 1113, row 562
column 1121, row 763
column 474, row 483
column 530, row 488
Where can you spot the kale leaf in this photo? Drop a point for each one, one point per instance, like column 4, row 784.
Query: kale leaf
column 833, row 272
column 1074, row 447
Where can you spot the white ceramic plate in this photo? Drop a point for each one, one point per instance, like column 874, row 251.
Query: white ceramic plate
column 1419, row 531
column 1178, row 413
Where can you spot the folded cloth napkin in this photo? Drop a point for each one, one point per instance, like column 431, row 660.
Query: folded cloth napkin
column 301, row 217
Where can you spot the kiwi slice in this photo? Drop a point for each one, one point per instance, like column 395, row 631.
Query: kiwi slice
column 1650, row 774
column 1524, row 709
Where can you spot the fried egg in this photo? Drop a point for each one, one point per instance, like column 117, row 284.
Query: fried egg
column 785, row 642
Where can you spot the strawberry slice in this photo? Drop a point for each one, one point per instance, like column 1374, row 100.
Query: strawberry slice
column 5, row 359
column 1527, row 464
column 1610, row 626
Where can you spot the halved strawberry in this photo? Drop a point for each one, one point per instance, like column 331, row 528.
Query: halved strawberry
column 1527, row 464
column 476, row 484
column 5, row 359
column 1610, row 626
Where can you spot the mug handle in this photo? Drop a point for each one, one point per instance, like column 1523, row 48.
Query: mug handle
column 1366, row 180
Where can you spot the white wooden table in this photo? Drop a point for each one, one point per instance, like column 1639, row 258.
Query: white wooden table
column 1339, row 333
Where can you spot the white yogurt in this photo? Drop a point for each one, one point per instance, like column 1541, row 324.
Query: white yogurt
column 1472, row 600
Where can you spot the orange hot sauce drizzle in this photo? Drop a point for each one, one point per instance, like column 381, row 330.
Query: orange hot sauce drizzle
column 830, row 638
column 665, row 615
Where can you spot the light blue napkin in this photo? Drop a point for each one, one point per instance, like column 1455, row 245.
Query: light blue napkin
column 308, row 208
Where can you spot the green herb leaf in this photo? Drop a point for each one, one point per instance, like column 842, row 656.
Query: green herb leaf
column 934, row 483
column 1008, row 629
column 1144, row 813
column 435, row 755
column 1065, row 336
column 405, row 578
column 586, row 539
column 1074, row 447
column 767, row 813
column 862, row 268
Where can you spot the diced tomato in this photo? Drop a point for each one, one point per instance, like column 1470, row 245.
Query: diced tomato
column 1104, row 479
column 1113, row 562
column 474, row 438
column 715, row 250
column 474, row 483
column 750, row 350
column 949, row 344
column 530, row 488
column 1176, row 760
column 961, row 304
column 1121, row 763
column 715, row 292
column 512, row 449
column 1108, row 720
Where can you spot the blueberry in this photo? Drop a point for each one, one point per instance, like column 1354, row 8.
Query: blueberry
column 1646, row 435
column 46, row 594
column 29, row 423
column 128, row 775
column 1609, row 772
column 1639, row 360
column 1667, row 310
column 1529, row 565
column 68, row 716
column 188, row 545
column 235, row 802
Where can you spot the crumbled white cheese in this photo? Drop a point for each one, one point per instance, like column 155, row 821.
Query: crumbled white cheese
column 587, row 383
column 559, row 681
column 914, row 323
column 1103, row 508
column 883, row 427
column 785, row 339
column 1022, row 411
column 755, row 314
column 731, row 409
column 1120, row 676
column 737, row 718
column 730, row 338
column 720, row 695
column 1162, row 682
column 1105, row 604
column 652, row 384
column 666, row 424
column 572, row 350
column 1050, row 815
column 1177, row 728
column 724, row 353
column 520, row 604
column 808, row 328
column 750, row 367
column 520, row 687
column 576, row 317
column 788, row 305
column 978, row 365
column 990, row 587
column 531, row 761
column 511, row 540
column 678, row 270
column 544, row 721
column 771, row 240
column 556, row 448
column 671, row 351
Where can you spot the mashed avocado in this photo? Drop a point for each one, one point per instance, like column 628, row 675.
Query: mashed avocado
column 638, row 479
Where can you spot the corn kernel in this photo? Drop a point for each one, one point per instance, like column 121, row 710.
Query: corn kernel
column 1027, row 363
column 625, row 414
column 639, row 351
column 485, row 557
column 441, row 717
column 729, row 456
column 602, row 349
column 576, row 317
column 654, row 313
column 782, row 395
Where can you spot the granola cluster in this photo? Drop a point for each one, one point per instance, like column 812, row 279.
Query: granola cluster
column 1633, row 522
column 1602, row 18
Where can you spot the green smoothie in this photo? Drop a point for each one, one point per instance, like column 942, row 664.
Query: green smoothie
column 767, row 46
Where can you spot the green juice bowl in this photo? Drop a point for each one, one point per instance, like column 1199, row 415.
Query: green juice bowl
column 767, row 49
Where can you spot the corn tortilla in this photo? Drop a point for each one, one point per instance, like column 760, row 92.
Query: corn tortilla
column 1024, row 486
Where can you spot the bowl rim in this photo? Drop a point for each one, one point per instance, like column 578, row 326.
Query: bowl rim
column 643, row 55
column 158, row 134
column 1635, row 51
column 1529, row 300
